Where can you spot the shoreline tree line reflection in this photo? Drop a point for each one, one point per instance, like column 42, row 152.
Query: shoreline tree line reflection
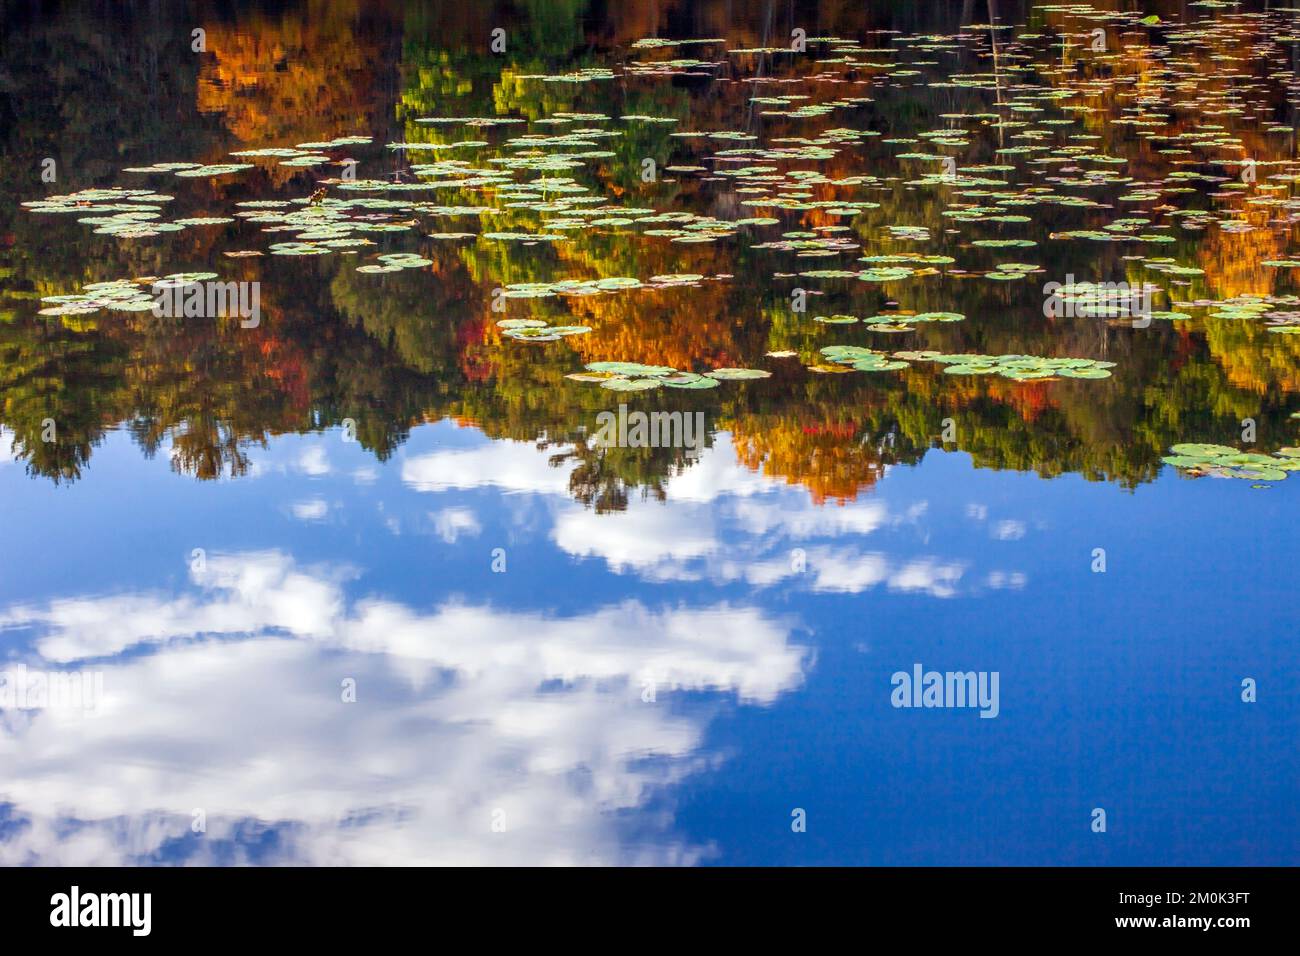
column 391, row 352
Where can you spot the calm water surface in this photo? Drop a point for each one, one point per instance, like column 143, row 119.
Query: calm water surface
column 355, row 580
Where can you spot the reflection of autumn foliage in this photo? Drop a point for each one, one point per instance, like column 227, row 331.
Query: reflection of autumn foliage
column 285, row 367
column 186, row 380
column 823, row 456
column 1254, row 359
column 475, row 358
column 1217, row 69
column 1029, row 399
column 1231, row 259
column 296, row 77
column 390, row 351
column 836, row 434
column 681, row 328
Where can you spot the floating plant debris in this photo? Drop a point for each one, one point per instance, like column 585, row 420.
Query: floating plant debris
column 218, row 169
column 123, row 295
column 1221, row 461
column 635, row 377
column 119, row 295
column 396, row 262
column 1017, row 367
column 534, row 330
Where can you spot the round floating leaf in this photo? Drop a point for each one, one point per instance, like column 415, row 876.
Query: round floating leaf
column 630, row 384
column 635, row 369
column 1200, row 450
column 689, row 380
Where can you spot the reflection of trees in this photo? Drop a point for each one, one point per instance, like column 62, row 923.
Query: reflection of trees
column 50, row 374
column 279, row 79
column 390, row 351
column 604, row 477
column 93, row 96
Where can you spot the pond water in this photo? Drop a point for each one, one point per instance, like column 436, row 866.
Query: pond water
column 566, row 433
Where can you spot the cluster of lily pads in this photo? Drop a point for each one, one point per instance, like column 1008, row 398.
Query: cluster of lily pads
column 396, row 262
column 1106, row 300
column 125, row 213
column 1280, row 312
column 584, row 75
column 122, row 213
column 583, row 287
column 536, row 330
column 332, row 225
column 883, row 274
column 119, row 295
column 891, row 323
column 1010, row 271
column 1016, row 367
column 193, row 170
column 531, row 194
column 1222, row 461
column 304, row 154
column 635, row 377
column 759, row 177
column 860, row 358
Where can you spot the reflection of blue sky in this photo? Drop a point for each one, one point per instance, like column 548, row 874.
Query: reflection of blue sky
column 522, row 691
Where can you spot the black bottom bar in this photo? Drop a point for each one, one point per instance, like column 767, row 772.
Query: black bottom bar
column 338, row 906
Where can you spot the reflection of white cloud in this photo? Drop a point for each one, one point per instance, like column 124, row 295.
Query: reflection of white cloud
column 256, row 732
column 932, row 577
column 804, row 519
column 845, row 571
column 718, row 472
column 513, row 466
column 247, row 593
column 730, row 649
column 459, row 712
column 453, row 523
column 641, row 537
column 715, row 498
column 836, row 570
column 722, row 522
column 312, row 510
column 689, row 541
column 313, row 461
column 766, row 572
column 7, row 456
column 366, row 475
column 1015, row 580
column 524, row 467
column 1009, row 530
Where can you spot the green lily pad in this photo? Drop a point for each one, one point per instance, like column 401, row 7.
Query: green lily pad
column 630, row 384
